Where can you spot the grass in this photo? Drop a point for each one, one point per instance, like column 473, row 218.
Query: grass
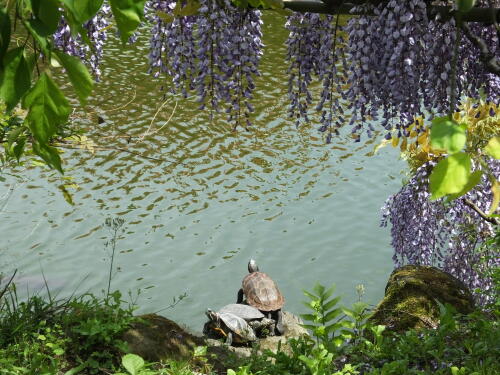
column 81, row 335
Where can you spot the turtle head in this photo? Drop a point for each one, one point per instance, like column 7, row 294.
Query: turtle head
column 212, row 315
column 252, row 266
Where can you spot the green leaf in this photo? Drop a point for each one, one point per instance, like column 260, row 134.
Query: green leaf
column 465, row 5
column 4, row 34
column 128, row 15
column 165, row 17
column 274, row 4
column 495, row 190
column 48, row 108
column 189, row 9
column 474, row 179
column 327, row 306
column 328, row 293
column 40, row 33
column 308, row 317
column 447, row 135
column 310, row 295
column 18, row 149
column 493, row 147
column 319, row 289
column 48, row 13
column 78, row 75
column 332, row 314
column 76, row 370
column 450, row 175
column 133, row 363
column 83, row 10
column 15, row 79
column 49, row 155
column 309, row 326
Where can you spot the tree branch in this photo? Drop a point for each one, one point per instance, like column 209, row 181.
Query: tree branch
column 488, row 58
column 481, row 15
column 481, row 213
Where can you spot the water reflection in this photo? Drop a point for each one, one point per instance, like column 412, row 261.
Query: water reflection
column 199, row 199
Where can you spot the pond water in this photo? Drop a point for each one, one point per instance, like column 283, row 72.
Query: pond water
column 199, row 200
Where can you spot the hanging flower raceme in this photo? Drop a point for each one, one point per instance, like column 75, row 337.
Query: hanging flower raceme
column 304, row 59
column 97, row 34
column 331, row 63
column 214, row 53
column 447, row 235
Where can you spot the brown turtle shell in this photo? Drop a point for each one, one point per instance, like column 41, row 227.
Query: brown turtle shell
column 262, row 292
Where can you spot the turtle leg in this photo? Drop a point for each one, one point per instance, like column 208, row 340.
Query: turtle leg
column 279, row 322
column 272, row 325
column 240, row 296
column 229, row 338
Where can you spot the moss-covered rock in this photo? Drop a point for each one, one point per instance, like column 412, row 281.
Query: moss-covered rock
column 156, row 338
column 412, row 294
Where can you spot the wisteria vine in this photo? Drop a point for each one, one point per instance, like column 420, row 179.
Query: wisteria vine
column 397, row 64
column 447, row 235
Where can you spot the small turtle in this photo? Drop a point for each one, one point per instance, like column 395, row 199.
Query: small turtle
column 261, row 325
column 229, row 325
column 263, row 293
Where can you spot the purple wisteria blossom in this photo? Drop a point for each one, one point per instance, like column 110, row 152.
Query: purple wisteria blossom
column 304, row 58
column 399, row 66
column 214, row 53
column 97, row 34
column 447, row 235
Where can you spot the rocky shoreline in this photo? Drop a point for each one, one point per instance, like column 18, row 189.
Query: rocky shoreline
column 412, row 298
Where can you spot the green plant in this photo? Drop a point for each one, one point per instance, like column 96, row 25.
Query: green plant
column 135, row 365
column 323, row 312
column 319, row 361
column 348, row 369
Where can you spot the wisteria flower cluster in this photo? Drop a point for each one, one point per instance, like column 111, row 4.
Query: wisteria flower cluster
column 399, row 65
column 447, row 235
column 214, row 53
column 97, row 34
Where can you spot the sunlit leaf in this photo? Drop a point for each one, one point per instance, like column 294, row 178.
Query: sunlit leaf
column 493, row 147
column 495, row 189
column 474, row 179
column 78, row 75
column 128, row 15
column 447, row 135
column 450, row 175
column 83, row 10
column 48, row 108
column 132, row 363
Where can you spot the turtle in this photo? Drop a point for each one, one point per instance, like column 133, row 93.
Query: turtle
column 261, row 325
column 262, row 292
column 229, row 325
